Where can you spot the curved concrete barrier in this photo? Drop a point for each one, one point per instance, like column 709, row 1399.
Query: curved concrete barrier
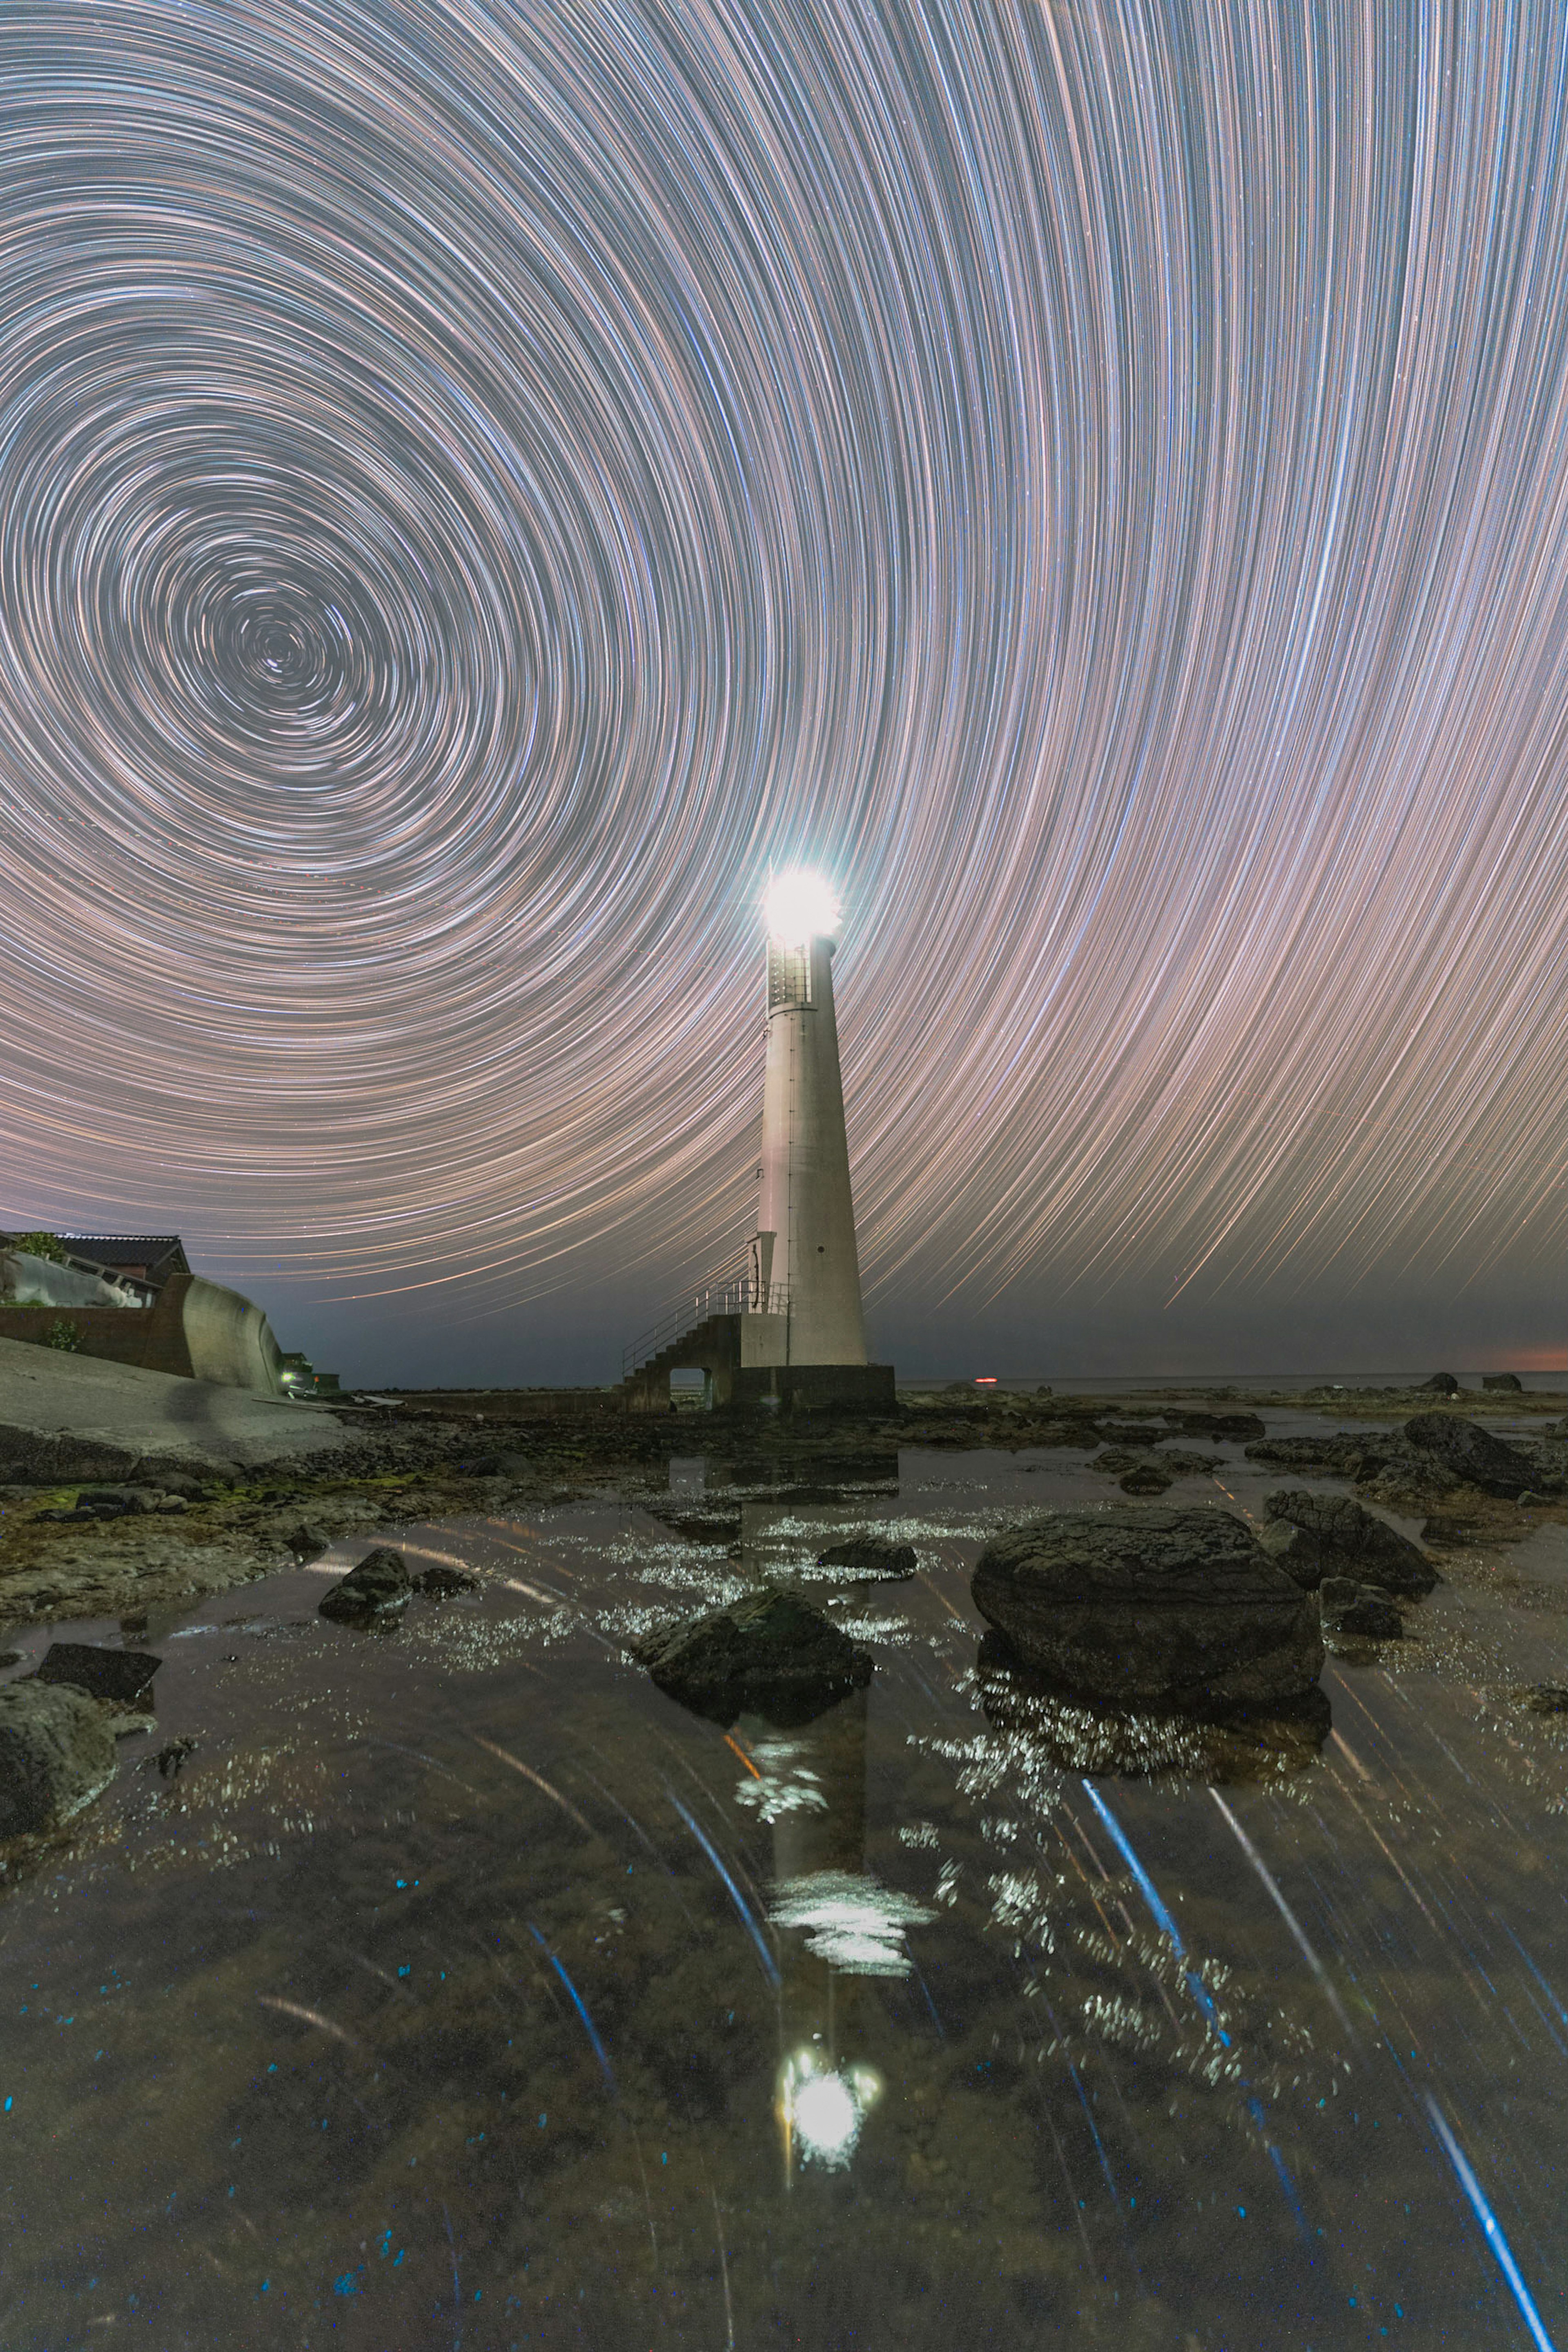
column 198, row 1329
column 230, row 1340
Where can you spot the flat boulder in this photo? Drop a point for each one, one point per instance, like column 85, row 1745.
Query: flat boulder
column 1510, row 1380
column 1179, row 1607
column 1473, row 1454
column 1443, row 1383
column 56, row 1754
column 769, row 1654
column 870, row 1556
column 1314, row 1535
column 378, row 1587
column 123, row 1675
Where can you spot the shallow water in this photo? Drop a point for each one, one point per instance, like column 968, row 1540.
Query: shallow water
column 461, row 1989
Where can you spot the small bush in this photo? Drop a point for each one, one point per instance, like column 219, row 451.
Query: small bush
column 39, row 1245
column 63, row 1334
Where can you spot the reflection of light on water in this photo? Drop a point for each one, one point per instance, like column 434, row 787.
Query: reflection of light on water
column 822, row 2111
column 854, row 1923
column 781, row 1783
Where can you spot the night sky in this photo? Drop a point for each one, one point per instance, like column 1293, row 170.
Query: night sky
column 479, row 484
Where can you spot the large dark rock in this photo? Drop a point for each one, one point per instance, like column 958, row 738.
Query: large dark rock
column 1473, row 1454
column 1443, row 1383
column 870, row 1556
column 56, row 1754
column 1128, row 1605
column 770, row 1653
column 377, row 1587
column 125, row 1675
column 1314, row 1535
column 1501, row 1380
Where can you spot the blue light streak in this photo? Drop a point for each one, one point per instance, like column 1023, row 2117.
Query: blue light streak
column 770, row 1964
column 1491, row 2227
column 577, row 2003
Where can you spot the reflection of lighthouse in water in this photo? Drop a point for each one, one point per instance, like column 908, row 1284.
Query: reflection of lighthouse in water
column 837, row 1924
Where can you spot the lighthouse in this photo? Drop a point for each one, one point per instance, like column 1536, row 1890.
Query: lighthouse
column 804, row 1260
column 782, row 1327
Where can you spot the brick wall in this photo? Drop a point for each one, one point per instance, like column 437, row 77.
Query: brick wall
column 152, row 1337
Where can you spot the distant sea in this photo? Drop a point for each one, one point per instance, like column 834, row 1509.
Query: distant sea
column 1097, row 1384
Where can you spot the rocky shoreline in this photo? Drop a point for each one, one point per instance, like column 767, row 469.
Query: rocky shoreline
column 169, row 1525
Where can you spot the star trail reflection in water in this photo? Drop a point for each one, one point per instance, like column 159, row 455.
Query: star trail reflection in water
column 465, row 1990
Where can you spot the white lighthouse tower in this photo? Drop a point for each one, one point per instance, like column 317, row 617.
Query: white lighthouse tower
column 804, row 1258
column 784, row 1327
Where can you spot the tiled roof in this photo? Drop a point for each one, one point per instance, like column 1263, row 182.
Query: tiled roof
column 128, row 1249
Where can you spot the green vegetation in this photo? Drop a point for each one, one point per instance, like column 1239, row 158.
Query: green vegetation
column 39, row 1245
column 63, row 1334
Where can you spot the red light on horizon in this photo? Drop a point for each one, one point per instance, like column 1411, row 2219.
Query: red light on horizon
column 985, row 1379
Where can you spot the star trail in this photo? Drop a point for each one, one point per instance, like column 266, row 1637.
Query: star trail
column 482, row 485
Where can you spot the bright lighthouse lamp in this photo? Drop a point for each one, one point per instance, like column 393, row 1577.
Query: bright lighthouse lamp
column 798, row 907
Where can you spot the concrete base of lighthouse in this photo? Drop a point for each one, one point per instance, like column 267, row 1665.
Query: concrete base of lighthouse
column 742, row 1358
column 796, row 1389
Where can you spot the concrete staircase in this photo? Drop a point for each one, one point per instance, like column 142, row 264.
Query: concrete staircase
column 710, row 1342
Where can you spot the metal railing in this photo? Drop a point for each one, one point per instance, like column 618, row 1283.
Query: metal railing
column 733, row 1291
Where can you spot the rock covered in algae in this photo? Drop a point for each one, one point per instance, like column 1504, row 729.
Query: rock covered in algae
column 769, row 1652
column 56, row 1754
column 1473, row 1454
column 1183, row 1607
column 1314, row 1535
column 377, row 1587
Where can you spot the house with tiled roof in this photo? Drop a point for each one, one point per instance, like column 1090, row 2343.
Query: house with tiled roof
column 133, row 1299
